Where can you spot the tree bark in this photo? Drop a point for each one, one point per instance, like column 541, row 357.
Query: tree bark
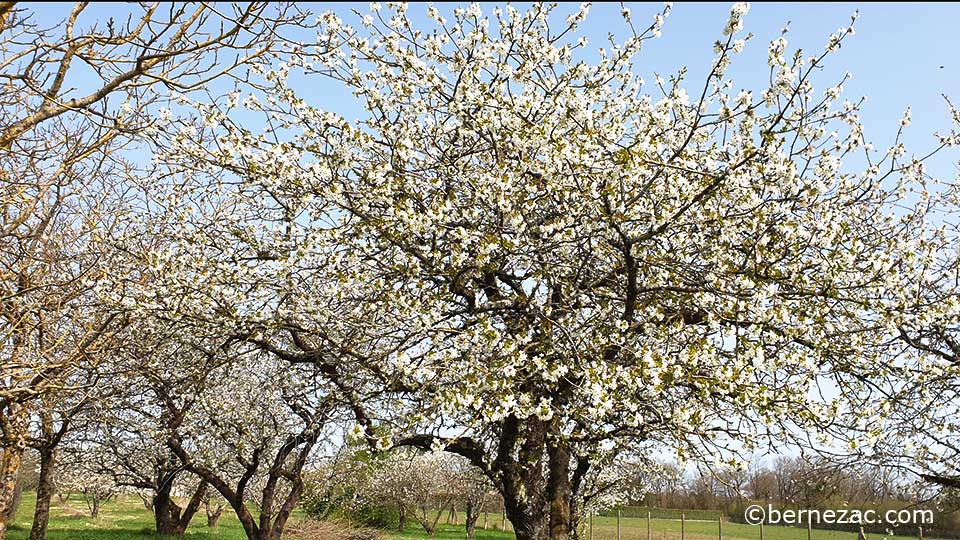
column 9, row 470
column 213, row 513
column 559, row 493
column 45, row 488
column 522, row 481
column 472, row 515
column 532, row 472
column 172, row 520
column 13, row 423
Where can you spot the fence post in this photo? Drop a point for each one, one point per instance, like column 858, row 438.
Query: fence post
column 591, row 526
column 503, row 520
column 809, row 528
column 618, row 524
column 720, row 527
column 683, row 526
column 648, row 525
column 921, row 533
column 761, row 530
column 485, row 518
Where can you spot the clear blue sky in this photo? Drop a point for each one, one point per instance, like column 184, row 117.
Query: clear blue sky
column 895, row 57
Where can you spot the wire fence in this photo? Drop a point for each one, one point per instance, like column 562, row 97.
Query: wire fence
column 668, row 524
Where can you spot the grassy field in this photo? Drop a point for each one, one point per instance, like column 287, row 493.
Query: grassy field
column 123, row 519
column 605, row 528
column 127, row 519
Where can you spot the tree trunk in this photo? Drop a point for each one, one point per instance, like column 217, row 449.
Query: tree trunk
column 95, row 505
column 166, row 512
column 527, row 525
column 41, row 513
column 17, row 495
column 213, row 513
column 172, row 520
column 272, row 520
column 403, row 518
column 473, row 514
column 522, row 481
column 539, row 506
column 430, row 526
column 559, row 493
column 10, row 463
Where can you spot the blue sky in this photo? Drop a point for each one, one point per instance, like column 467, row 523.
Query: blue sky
column 895, row 57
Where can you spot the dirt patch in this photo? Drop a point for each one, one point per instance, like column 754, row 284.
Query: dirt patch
column 309, row 529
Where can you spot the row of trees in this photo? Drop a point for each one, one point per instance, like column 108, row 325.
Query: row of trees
column 786, row 482
column 539, row 263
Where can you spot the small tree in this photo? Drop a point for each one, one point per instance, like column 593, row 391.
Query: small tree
column 245, row 427
column 79, row 473
column 422, row 485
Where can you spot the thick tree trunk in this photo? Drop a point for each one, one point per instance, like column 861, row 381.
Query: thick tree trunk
column 522, row 481
column 527, row 525
column 166, row 512
column 172, row 520
column 41, row 513
column 559, row 493
column 9, row 470
column 539, row 506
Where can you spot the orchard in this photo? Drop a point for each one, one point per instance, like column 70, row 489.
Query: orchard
column 412, row 261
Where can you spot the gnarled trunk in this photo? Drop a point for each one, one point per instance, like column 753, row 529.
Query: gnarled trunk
column 213, row 513
column 170, row 519
column 45, row 488
column 532, row 472
column 13, row 421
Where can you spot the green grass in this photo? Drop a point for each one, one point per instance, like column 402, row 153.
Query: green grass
column 127, row 519
column 605, row 528
column 121, row 519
